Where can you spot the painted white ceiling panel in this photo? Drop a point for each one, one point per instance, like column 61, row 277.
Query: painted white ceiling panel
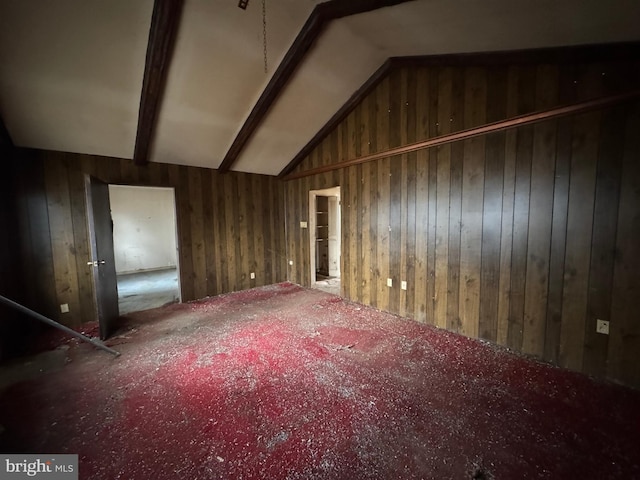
column 325, row 80
column 217, row 75
column 72, row 72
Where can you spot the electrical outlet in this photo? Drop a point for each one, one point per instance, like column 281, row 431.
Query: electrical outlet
column 64, row 308
column 290, row 262
column 602, row 326
column 403, row 284
column 253, row 275
column 303, row 224
column 389, row 282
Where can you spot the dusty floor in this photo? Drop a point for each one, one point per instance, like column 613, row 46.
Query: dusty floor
column 287, row 383
column 145, row 290
column 327, row 284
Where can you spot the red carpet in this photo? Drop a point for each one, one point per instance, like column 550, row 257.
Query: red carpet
column 287, row 383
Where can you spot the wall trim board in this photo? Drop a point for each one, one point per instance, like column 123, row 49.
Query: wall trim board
column 486, row 129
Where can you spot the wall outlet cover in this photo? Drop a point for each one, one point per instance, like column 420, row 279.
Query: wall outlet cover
column 389, row 282
column 303, row 224
column 64, row 308
column 403, row 284
column 253, row 275
column 602, row 326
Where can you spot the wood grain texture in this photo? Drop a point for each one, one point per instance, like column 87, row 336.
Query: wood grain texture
column 472, row 203
column 579, row 230
column 603, row 241
column 492, row 208
column 443, row 183
column 625, row 328
column 54, row 239
column 163, row 31
column 540, row 215
column 508, row 237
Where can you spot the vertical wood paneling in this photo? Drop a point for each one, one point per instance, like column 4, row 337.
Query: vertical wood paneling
column 62, row 241
column 455, row 206
column 472, row 202
column 540, row 216
column 403, row 177
column 567, row 94
column 364, row 188
column 410, row 257
column 625, row 328
column 365, row 213
column 579, row 228
column 208, row 229
column 522, row 188
column 443, row 173
column 395, row 192
column 243, row 239
column 257, row 241
column 187, row 274
column 356, row 195
column 382, row 233
column 603, row 242
column 512, row 237
column 492, row 208
column 198, row 256
column 36, row 237
column 54, row 238
column 433, row 129
column 423, row 121
column 220, row 235
column 374, row 277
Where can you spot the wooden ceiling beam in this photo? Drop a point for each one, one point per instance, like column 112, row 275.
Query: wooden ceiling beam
column 322, row 14
column 162, row 35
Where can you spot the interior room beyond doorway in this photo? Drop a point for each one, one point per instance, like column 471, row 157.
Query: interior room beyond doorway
column 145, row 247
column 325, row 233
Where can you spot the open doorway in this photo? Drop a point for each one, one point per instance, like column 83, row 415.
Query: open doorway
column 325, row 248
column 145, row 246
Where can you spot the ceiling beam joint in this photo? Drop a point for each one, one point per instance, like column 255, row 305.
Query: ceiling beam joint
column 320, row 17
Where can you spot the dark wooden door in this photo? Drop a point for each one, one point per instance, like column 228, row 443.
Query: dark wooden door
column 102, row 256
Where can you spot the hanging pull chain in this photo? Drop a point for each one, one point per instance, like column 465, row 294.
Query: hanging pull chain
column 264, row 32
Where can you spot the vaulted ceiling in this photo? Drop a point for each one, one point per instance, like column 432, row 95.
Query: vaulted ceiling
column 71, row 71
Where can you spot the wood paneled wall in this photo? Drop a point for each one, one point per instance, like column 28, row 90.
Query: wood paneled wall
column 523, row 237
column 12, row 327
column 228, row 226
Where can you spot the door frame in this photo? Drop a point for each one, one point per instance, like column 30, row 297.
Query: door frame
column 92, row 236
column 325, row 192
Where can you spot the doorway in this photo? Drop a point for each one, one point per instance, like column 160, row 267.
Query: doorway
column 324, row 237
column 145, row 247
